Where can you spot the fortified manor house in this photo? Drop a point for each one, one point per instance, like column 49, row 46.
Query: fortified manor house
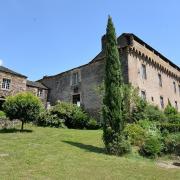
column 156, row 77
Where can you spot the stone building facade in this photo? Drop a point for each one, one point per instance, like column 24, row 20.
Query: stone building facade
column 78, row 86
column 38, row 90
column 156, row 77
column 12, row 83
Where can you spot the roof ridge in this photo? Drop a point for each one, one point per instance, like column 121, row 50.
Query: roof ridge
column 7, row 70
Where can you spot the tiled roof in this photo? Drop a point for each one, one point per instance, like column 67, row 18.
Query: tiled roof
column 36, row 84
column 4, row 69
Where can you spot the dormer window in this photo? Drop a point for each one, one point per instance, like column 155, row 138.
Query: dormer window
column 6, row 84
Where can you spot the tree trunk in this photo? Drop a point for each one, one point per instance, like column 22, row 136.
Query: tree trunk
column 22, row 125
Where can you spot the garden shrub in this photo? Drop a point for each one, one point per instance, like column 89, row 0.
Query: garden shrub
column 172, row 144
column 23, row 106
column 138, row 110
column 124, row 145
column 151, row 147
column 146, row 124
column 73, row 115
column 50, row 120
column 170, row 127
column 119, row 146
column 172, row 114
column 170, row 110
column 92, row 124
column 144, row 110
column 2, row 115
column 174, row 118
column 153, row 113
column 150, row 127
column 135, row 133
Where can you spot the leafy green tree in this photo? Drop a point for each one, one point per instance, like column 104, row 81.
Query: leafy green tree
column 112, row 110
column 170, row 110
column 24, row 106
column 172, row 114
column 129, row 100
column 138, row 110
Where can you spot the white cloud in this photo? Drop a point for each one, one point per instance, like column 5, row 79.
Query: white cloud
column 1, row 62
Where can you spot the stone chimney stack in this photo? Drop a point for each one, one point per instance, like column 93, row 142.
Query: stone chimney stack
column 103, row 42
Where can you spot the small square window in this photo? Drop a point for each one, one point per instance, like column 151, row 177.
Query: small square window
column 143, row 95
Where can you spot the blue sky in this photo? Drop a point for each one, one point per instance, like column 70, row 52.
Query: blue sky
column 45, row 37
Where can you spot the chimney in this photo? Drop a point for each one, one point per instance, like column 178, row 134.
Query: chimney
column 103, row 42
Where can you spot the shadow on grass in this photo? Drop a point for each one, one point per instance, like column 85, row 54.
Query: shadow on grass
column 88, row 148
column 13, row 130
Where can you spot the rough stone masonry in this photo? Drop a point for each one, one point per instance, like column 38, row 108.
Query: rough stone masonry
column 156, row 77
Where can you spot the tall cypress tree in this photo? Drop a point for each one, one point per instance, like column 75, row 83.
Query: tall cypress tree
column 112, row 109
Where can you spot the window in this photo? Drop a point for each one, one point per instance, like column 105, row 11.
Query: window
column 6, row 83
column 143, row 95
column 174, row 84
column 143, row 71
column 152, row 98
column 76, row 99
column 75, row 78
column 160, row 80
column 176, row 105
column 162, row 102
column 40, row 93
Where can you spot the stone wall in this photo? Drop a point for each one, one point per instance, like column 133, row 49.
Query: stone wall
column 18, row 84
column 35, row 90
column 138, row 55
column 90, row 78
column 133, row 54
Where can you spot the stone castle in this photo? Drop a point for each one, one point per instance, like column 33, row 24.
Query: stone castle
column 156, row 77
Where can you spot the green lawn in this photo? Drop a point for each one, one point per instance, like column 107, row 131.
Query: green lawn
column 47, row 153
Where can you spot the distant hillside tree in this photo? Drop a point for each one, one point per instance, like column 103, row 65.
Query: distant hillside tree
column 113, row 123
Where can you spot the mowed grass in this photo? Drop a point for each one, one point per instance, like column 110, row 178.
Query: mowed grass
column 48, row 153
